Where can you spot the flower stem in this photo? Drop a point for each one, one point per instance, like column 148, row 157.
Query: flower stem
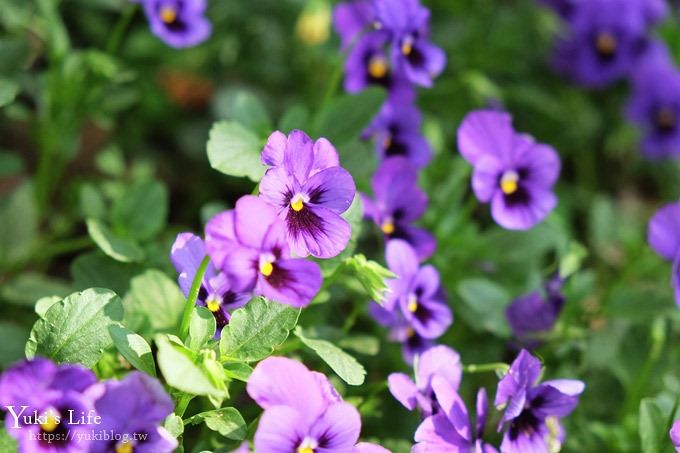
column 191, row 299
column 485, row 367
column 116, row 36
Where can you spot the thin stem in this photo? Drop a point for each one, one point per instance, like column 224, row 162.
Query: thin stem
column 183, row 403
column 486, row 367
column 193, row 295
column 116, row 37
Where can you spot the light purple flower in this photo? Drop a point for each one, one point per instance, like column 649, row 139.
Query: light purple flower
column 437, row 361
column 415, row 307
column 41, row 394
column 511, row 171
column 675, row 435
column 187, row 253
column 133, row 410
column 451, row 429
column 302, row 411
column 664, row 237
column 605, row 38
column 179, row 23
column 532, row 410
column 397, row 203
column 396, row 131
column 655, row 103
column 250, row 245
column 310, row 190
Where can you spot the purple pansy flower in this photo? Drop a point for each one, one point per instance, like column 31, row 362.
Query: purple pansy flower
column 179, row 23
column 675, row 435
column 398, row 202
column 604, row 39
column 133, row 410
column 451, row 429
column 37, row 396
column 396, row 131
column 302, row 411
column 415, row 307
column 187, row 253
column 532, row 410
column 511, row 171
column 310, row 190
column 655, row 103
column 534, row 313
column 664, row 237
column 250, row 245
column 437, row 361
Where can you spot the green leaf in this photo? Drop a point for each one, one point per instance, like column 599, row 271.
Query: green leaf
column 227, row 421
column 13, row 343
column 134, row 348
column 237, row 370
column 92, row 204
column 174, row 425
column 118, row 248
column 179, row 368
column 346, row 117
column 244, row 107
column 254, row 330
column 483, row 306
column 295, row 117
column 27, row 288
column 235, row 150
column 342, row 363
column 201, row 328
column 44, row 303
column 18, row 224
column 370, row 274
column 74, row 330
column 8, row 91
column 652, row 423
column 354, row 216
column 141, row 211
column 95, row 269
column 155, row 296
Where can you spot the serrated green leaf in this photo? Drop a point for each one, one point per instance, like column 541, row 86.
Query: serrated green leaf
column 134, row 348
column 141, row 211
column 227, row 421
column 156, row 297
column 118, row 248
column 75, row 330
column 254, row 330
column 235, row 150
column 44, row 303
column 344, row 365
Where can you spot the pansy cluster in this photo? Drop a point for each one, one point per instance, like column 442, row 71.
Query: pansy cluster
column 531, row 411
column 260, row 247
column 608, row 40
column 62, row 408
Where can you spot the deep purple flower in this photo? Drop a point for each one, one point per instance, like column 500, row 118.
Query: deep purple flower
column 604, row 39
column 396, row 131
column 437, row 361
column 532, row 410
column 534, row 313
column 675, row 435
column 302, row 411
column 655, row 103
column 390, row 43
column 399, row 202
column 187, row 253
column 451, row 429
column 511, row 171
column 37, row 396
column 664, row 237
column 249, row 244
column 415, row 307
column 179, row 23
column 133, row 410
column 310, row 190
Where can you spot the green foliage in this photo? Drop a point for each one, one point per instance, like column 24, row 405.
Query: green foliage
column 343, row 119
column 483, row 305
column 118, row 248
column 256, row 329
column 201, row 328
column 234, row 150
column 134, row 348
column 141, row 211
column 369, row 274
column 75, row 330
column 227, row 421
column 344, row 365
column 156, row 298
column 18, row 224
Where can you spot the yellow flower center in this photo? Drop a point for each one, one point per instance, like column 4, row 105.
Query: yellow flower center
column 407, row 47
column 124, row 447
column 297, row 204
column 266, row 268
column 51, row 422
column 213, row 304
column 377, row 66
column 606, row 44
column 509, row 182
column 305, row 450
column 168, row 14
column 412, row 303
column 387, row 226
